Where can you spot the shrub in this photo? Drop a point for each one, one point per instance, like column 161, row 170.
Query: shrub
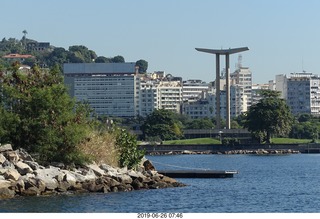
column 129, row 153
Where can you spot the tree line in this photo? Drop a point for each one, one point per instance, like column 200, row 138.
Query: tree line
column 270, row 117
column 58, row 55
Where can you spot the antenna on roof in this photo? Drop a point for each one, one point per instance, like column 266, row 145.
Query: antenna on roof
column 239, row 65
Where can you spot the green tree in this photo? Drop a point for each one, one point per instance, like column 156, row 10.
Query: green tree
column 37, row 114
column 143, row 65
column 118, row 59
column 162, row 123
column 271, row 115
column 102, row 59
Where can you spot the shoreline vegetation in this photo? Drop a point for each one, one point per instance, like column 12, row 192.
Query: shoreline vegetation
column 20, row 175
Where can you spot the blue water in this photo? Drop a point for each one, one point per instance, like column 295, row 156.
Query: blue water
column 264, row 184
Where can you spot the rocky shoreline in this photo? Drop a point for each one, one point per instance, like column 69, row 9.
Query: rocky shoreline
column 20, row 175
column 252, row 152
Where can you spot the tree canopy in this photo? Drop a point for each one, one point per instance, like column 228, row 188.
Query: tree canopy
column 162, row 124
column 270, row 116
column 143, row 65
column 37, row 114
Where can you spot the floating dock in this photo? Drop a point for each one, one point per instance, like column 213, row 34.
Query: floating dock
column 198, row 173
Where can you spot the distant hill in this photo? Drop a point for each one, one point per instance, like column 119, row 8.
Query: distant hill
column 46, row 55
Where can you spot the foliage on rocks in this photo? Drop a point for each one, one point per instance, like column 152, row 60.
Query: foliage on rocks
column 129, row 153
column 37, row 114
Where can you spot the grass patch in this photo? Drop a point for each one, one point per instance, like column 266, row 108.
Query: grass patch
column 193, row 141
column 289, row 141
column 101, row 148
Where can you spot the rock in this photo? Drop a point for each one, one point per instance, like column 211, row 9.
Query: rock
column 5, row 184
column 2, row 159
column 124, row 179
column 158, row 185
column 51, row 172
column 23, row 155
column 109, row 170
column 7, row 165
column 12, row 174
column 2, row 177
column 58, row 164
column 33, row 165
column 32, row 191
column 96, row 169
column 89, row 175
column 12, row 156
column 111, row 182
column 63, row 186
column 6, row 193
column 91, row 186
column 33, row 182
column 6, row 147
column 148, row 165
column 23, row 168
column 123, row 170
column 78, row 177
column 136, row 184
column 70, row 179
column 168, row 180
column 20, row 186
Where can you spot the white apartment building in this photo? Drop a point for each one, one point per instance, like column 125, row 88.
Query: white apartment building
column 169, row 95
column 111, row 89
column 303, row 93
column 148, row 97
column 281, row 85
column 238, row 101
column 203, row 108
column 243, row 78
column 193, row 89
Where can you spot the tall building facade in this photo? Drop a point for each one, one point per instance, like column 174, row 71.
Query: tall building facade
column 111, row 89
column 303, row 93
column 193, row 89
column 243, row 78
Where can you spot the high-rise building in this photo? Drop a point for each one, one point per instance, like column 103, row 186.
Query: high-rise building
column 111, row 89
column 193, row 89
column 303, row 93
column 243, row 78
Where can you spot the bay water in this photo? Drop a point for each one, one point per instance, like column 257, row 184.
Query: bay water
column 264, row 184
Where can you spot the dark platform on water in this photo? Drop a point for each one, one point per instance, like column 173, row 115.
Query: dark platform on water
column 198, row 173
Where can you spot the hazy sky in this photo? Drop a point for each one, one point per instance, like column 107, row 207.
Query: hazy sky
column 283, row 35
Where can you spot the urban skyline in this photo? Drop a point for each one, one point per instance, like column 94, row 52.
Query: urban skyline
column 281, row 35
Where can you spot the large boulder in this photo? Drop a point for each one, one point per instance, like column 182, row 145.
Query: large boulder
column 96, row 169
column 6, row 193
column 5, row 183
column 23, row 168
column 148, row 165
column 23, row 154
column 2, row 159
column 70, row 179
column 12, row 156
column 7, row 165
column 5, row 147
column 124, row 179
column 12, row 174
column 33, row 165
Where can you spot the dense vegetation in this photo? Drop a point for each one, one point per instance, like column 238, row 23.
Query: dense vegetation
column 57, row 55
column 37, row 114
column 270, row 116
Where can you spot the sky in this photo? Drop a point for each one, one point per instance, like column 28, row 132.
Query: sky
column 283, row 35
